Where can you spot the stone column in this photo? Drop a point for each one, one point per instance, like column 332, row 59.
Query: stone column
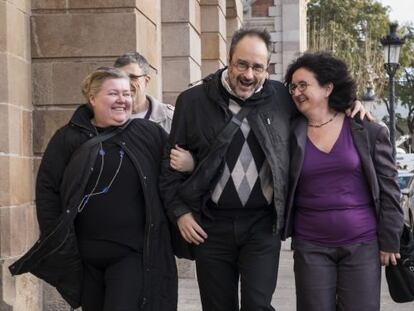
column 181, row 63
column 289, row 35
column 276, row 59
column 286, row 22
column 213, row 35
column 69, row 39
column 234, row 18
column 17, row 217
column 181, row 46
column 294, row 30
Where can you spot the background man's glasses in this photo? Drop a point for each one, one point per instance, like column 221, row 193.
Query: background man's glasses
column 301, row 86
column 243, row 66
column 134, row 77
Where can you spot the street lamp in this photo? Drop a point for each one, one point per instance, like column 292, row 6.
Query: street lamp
column 392, row 47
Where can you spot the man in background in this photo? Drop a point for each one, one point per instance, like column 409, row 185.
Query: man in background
column 145, row 106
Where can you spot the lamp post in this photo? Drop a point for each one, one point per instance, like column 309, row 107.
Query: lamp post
column 392, row 47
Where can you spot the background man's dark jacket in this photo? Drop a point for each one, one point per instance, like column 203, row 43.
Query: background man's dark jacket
column 200, row 114
column 375, row 152
column 61, row 182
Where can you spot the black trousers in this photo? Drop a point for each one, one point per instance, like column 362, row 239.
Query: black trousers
column 238, row 247
column 113, row 277
column 344, row 278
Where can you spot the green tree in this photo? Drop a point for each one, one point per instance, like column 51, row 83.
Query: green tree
column 404, row 88
column 407, row 52
column 351, row 29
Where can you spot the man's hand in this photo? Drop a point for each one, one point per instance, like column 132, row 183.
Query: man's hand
column 358, row 107
column 387, row 258
column 190, row 229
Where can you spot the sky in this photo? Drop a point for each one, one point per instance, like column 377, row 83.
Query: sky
column 401, row 10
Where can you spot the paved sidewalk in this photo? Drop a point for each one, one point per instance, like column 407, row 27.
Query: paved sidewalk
column 284, row 298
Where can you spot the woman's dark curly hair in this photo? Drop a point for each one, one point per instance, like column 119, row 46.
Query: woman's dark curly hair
column 327, row 68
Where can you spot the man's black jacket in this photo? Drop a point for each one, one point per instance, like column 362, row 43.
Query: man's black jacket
column 202, row 112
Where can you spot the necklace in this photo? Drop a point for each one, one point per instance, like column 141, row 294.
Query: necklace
column 324, row 123
column 105, row 189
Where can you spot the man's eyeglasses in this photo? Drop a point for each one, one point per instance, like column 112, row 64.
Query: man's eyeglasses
column 134, row 77
column 244, row 66
column 301, row 86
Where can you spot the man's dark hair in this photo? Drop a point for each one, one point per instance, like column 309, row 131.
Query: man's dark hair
column 132, row 58
column 253, row 32
column 327, row 69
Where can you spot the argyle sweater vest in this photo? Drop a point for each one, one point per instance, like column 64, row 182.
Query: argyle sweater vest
column 246, row 182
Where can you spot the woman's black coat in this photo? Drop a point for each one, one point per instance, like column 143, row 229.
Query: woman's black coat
column 61, row 181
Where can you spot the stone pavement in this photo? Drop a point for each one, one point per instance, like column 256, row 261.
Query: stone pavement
column 284, row 298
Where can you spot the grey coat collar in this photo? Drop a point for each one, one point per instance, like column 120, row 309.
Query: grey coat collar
column 161, row 113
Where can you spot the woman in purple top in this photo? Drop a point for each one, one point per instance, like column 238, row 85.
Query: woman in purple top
column 343, row 210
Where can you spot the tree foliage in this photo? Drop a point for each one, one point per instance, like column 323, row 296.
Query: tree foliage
column 407, row 52
column 404, row 88
column 351, row 29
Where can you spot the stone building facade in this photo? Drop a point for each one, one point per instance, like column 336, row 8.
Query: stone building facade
column 47, row 47
column 286, row 22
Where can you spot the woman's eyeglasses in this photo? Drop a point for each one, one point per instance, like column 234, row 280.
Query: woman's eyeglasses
column 301, row 86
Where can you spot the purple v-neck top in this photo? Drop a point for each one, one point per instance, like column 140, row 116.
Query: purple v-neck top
column 333, row 201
